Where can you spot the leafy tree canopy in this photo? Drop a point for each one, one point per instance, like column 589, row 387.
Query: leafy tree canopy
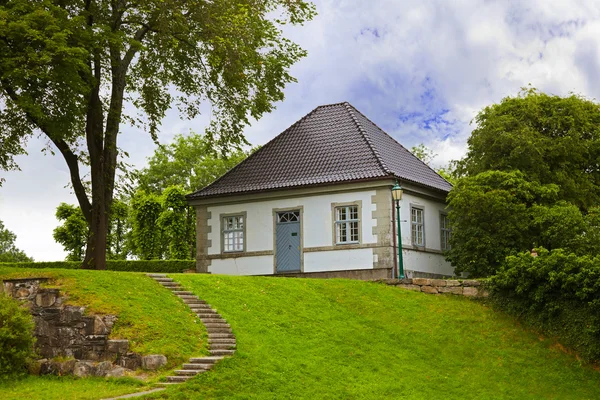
column 187, row 162
column 550, row 139
column 8, row 251
column 68, row 67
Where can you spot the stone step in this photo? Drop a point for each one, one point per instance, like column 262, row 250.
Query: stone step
column 222, row 346
column 157, row 275
column 213, row 320
column 170, row 284
column 205, row 314
column 181, row 292
column 188, row 297
column 188, row 372
column 220, row 324
column 219, row 335
column 163, row 279
column 200, row 308
column 205, row 360
column 197, row 366
column 178, row 378
column 222, row 352
column 195, row 302
column 230, row 341
column 224, row 329
column 167, row 383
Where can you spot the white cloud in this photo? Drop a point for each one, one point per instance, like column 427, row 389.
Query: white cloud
column 420, row 69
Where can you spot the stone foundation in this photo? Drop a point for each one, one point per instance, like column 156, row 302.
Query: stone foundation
column 466, row 287
column 65, row 331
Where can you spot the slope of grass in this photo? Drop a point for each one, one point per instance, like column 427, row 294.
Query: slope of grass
column 149, row 316
column 330, row 339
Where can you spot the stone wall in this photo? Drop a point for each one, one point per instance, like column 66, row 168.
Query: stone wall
column 466, row 287
column 66, row 331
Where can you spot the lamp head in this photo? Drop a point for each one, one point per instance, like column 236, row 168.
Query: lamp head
column 397, row 192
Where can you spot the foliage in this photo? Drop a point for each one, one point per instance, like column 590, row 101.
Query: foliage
column 556, row 292
column 550, row 139
column 67, row 69
column 165, row 266
column 188, row 162
column 72, row 234
column 16, row 337
column 8, row 251
column 150, row 317
column 147, row 237
column 175, row 224
column 490, row 215
column 365, row 331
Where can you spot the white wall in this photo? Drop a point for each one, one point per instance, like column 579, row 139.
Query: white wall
column 258, row 265
column 317, row 220
column 432, row 210
column 338, row 260
column 426, row 262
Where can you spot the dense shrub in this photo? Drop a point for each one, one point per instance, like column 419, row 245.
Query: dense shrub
column 172, row 266
column 557, row 293
column 16, row 337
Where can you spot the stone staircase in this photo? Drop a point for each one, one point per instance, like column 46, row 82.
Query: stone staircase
column 221, row 341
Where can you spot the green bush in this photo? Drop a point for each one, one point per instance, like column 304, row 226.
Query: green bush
column 167, row 266
column 16, row 337
column 558, row 293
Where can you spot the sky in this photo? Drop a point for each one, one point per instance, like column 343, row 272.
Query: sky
column 419, row 69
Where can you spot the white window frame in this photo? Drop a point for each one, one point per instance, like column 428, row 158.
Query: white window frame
column 445, row 232
column 346, row 224
column 415, row 225
column 236, row 247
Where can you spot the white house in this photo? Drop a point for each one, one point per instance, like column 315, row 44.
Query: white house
column 316, row 200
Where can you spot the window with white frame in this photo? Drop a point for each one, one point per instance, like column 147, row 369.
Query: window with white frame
column 417, row 226
column 445, row 232
column 233, row 233
column 346, row 224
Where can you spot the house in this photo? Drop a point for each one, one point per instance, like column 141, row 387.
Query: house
column 316, row 200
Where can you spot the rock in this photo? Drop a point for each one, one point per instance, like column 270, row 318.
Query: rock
column 416, row 288
column 66, row 367
column 109, row 321
column 100, row 327
column 84, row 369
column 438, row 282
column 471, row 282
column 421, row 281
column 429, row 289
column 116, row 372
column 102, row 368
column 406, row 281
column 131, row 361
column 470, row 291
column 153, row 361
column 22, row 293
column 452, row 282
column 46, row 297
column 35, row 367
column 117, row 346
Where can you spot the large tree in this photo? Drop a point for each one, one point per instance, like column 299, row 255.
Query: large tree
column 8, row 251
column 551, row 139
column 67, row 67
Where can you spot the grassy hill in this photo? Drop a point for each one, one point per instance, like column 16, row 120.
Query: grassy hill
column 329, row 339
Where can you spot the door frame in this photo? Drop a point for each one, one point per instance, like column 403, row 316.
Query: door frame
column 278, row 210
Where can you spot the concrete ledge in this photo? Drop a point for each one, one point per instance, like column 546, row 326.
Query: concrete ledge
column 360, row 274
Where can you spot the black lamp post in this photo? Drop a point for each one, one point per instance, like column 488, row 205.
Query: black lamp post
column 397, row 196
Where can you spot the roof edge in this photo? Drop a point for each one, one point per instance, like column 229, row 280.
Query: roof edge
column 349, row 108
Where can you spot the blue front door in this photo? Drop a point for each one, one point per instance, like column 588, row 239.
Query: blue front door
column 287, row 241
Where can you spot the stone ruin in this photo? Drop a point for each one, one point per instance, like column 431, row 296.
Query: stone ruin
column 66, row 332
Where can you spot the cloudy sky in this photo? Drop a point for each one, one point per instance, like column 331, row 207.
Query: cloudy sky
column 420, row 69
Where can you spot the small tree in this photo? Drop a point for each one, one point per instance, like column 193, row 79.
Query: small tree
column 8, row 251
column 16, row 337
column 73, row 232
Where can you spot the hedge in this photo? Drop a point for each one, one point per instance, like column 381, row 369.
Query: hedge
column 167, row 266
column 556, row 293
column 16, row 338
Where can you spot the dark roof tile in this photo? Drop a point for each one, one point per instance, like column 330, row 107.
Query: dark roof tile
column 333, row 143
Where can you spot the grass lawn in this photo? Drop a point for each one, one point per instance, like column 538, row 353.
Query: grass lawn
column 68, row 388
column 150, row 317
column 321, row 339
column 331, row 339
